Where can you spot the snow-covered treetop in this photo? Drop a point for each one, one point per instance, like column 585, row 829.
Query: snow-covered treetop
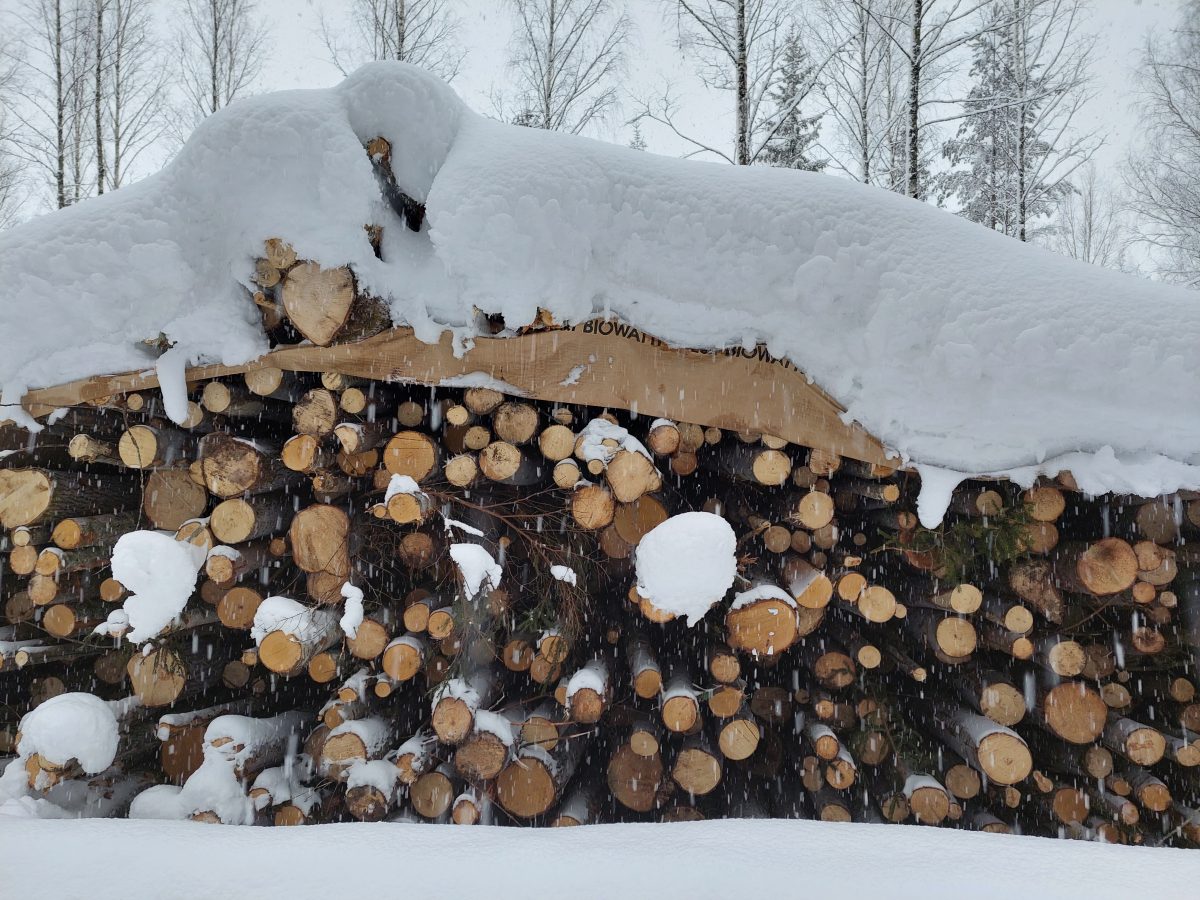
column 959, row 347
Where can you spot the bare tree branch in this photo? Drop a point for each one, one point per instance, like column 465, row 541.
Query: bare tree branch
column 1163, row 175
column 421, row 32
column 222, row 46
column 567, row 57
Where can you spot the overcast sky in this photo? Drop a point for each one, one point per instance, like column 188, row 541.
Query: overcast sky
column 299, row 59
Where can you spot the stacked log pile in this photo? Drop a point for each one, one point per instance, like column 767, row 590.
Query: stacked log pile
column 425, row 600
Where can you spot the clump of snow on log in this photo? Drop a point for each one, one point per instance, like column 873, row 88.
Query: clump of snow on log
column 325, row 599
column 958, row 347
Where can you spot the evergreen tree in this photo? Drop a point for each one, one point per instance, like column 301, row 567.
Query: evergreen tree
column 1013, row 153
column 794, row 134
column 980, row 179
column 637, row 142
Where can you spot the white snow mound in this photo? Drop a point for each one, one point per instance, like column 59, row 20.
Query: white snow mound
column 70, row 726
column 160, row 574
column 687, row 563
column 959, row 347
column 477, row 568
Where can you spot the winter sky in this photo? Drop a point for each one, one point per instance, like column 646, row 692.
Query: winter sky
column 299, row 59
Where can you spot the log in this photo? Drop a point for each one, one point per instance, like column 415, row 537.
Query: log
column 272, row 383
column 505, row 463
column 162, row 676
column 171, row 498
column 33, row 496
column 322, row 305
column 644, row 672
column 306, row 453
column 592, row 507
column 739, row 735
column 234, row 401
column 413, row 454
column 534, row 781
column 813, row 590
column 1073, row 711
column 1140, row 744
column 515, row 422
column 231, row 466
column 358, row 437
column 488, row 748
column 1033, row 581
column 473, row 807
column 150, row 447
column 631, row 474
column 320, row 540
column 1103, row 568
column 92, row 531
column 589, row 693
column 316, row 413
column 242, row 519
column 354, row 741
column 457, row 700
column 679, row 706
column 85, row 448
column 635, row 780
column 697, row 768
column 992, row 749
column 991, row 693
column 951, row 638
column 763, row 621
column 286, row 647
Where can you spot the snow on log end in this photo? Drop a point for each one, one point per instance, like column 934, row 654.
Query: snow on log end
column 71, row 726
column 160, row 573
column 686, row 564
column 477, row 567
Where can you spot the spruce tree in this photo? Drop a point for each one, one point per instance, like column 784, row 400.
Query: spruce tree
column 1002, row 160
column 791, row 144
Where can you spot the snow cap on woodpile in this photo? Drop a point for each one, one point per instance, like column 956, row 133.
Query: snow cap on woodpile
column 74, row 726
column 686, row 564
column 959, row 347
column 290, row 617
column 160, row 574
column 477, row 568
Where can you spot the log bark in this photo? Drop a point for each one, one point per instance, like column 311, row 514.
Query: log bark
column 33, row 496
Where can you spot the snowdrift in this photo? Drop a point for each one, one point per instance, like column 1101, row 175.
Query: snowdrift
column 696, row 859
column 958, row 347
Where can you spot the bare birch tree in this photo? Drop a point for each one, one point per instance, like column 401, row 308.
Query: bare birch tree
column 136, row 83
column 99, row 51
column 221, row 46
column 10, row 161
column 80, row 99
column 1163, row 175
column 1017, row 147
column 859, row 87
column 925, row 33
column 1050, row 86
column 50, row 119
column 421, row 32
column 738, row 46
column 566, row 58
column 1090, row 225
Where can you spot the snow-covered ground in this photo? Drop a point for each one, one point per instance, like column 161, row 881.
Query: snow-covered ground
column 99, row 859
column 962, row 348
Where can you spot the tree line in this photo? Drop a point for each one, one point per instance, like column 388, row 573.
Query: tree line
column 970, row 104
